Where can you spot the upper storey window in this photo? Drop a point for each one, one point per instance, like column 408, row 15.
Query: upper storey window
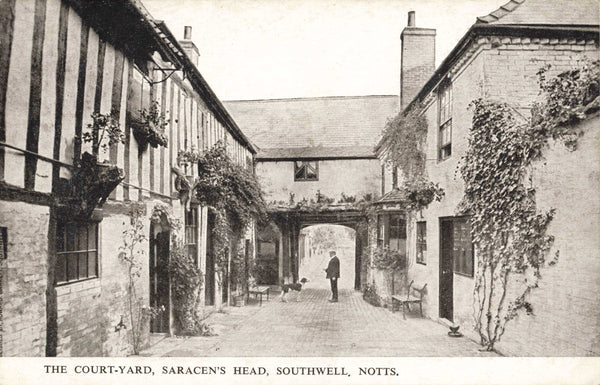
column 304, row 171
column 445, row 123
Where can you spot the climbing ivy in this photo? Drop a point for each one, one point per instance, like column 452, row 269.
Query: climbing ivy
column 234, row 195
column 568, row 99
column 508, row 231
column 187, row 281
column 403, row 140
column 401, row 146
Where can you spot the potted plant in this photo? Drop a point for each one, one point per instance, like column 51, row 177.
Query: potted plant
column 151, row 128
column 92, row 180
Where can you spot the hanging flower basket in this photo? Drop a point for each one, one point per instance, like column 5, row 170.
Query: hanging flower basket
column 151, row 128
column 92, row 183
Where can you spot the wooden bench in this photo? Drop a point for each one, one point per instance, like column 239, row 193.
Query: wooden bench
column 413, row 295
column 259, row 291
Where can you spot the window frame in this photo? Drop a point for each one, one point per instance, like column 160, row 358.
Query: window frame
column 303, row 165
column 384, row 227
column 64, row 252
column 457, row 263
column 445, row 101
column 145, row 97
column 193, row 229
column 421, row 243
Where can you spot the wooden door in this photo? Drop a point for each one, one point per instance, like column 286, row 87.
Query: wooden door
column 209, row 281
column 446, row 269
column 159, row 281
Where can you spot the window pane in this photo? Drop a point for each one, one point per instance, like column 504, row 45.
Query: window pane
column 71, row 266
column 92, row 235
column 83, row 266
column 61, row 268
column 82, row 236
column 60, row 237
column 300, row 172
column 311, row 174
column 71, row 238
column 92, row 264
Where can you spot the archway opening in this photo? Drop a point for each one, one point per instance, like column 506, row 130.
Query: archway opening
column 315, row 243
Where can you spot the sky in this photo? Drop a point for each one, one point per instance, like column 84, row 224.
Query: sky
column 267, row 49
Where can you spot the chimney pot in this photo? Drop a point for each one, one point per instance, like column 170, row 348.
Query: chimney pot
column 187, row 32
column 411, row 18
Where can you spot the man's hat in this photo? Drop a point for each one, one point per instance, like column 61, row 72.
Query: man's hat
column 332, row 252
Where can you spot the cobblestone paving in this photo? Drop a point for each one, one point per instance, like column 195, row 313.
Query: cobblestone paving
column 316, row 327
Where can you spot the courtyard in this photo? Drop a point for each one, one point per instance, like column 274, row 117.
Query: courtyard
column 315, row 327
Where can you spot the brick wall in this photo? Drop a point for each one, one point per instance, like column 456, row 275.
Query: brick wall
column 24, row 279
column 80, row 319
column 88, row 311
column 418, row 61
column 511, row 65
column 567, row 302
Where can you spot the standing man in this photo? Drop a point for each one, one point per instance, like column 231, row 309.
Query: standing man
column 333, row 274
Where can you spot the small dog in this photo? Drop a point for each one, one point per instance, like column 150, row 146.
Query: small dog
column 286, row 287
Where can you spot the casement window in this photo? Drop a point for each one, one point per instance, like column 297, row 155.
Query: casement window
column 462, row 247
column 306, row 171
column 191, row 233
column 421, row 242
column 76, row 251
column 391, row 231
column 445, row 123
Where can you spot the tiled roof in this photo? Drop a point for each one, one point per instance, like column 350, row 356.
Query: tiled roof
column 340, row 126
column 544, row 12
column 318, row 152
column 393, row 196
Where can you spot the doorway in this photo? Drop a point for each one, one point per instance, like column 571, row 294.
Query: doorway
column 159, row 279
column 209, row 281
column 446, row 294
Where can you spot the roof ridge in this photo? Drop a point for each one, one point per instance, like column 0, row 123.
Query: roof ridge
column 310, row 98
column 499, row 13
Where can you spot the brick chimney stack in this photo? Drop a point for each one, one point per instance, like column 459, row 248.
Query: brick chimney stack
column 188, row 45
column 418, row 59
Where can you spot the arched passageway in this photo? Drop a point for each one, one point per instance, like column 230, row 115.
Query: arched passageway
column 315, row 243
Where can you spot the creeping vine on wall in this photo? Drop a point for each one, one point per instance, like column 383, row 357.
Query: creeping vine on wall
column 187, row 281
column 132, row 255
column 402, row 145
column 508, row 231
column 233, row 193
column 403, row 140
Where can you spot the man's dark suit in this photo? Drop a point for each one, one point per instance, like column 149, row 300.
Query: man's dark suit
column 333, row 273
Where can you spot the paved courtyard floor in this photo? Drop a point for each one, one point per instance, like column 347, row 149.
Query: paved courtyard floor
column 316, row 327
